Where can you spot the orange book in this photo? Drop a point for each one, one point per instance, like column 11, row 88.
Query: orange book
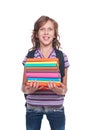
column 42, row 59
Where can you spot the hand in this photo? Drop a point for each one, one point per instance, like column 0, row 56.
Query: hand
column 58, row 90
column 33, row 86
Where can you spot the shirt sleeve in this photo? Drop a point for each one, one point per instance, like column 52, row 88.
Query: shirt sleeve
column 24, row 60
column 66, row 62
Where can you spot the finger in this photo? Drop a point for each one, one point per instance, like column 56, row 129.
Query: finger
column 50, row 84
column 34, row 85
column 41, row 87
column 37, row 84
column 54, row 85
column 31, row 84
column 62, row 85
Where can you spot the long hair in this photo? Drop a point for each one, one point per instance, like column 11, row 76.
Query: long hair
column 39, row 23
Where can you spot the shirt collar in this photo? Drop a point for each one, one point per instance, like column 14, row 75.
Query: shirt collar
column 42, row 56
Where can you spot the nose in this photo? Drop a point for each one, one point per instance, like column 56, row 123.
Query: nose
column 45, row 31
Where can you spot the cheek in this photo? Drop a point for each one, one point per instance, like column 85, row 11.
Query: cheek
column 53, row 35
column 39, row 35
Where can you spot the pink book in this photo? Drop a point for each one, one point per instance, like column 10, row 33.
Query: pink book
column 50, row 75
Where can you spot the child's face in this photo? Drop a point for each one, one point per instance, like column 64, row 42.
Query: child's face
column 46, row 33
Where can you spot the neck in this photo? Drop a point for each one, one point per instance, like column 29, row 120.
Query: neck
column 46, row 49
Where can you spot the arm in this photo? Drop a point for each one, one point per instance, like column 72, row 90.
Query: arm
column 24, row 87
column 31, row 88
column 64, row 82
column 60, row 90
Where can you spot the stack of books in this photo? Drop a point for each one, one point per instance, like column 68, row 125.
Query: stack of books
column 42, row 70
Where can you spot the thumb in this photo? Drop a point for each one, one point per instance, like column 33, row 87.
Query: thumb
column 62, row 85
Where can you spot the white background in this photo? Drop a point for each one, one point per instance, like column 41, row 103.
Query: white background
column 16, row 23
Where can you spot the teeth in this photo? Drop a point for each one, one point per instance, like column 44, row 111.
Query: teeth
column 45, row 38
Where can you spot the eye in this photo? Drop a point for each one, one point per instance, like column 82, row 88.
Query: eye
column 41, row 29
column 50, row 29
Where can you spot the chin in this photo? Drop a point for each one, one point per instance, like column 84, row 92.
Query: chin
column 46, row 43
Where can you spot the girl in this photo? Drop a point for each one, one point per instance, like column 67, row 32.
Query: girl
column 45, row 39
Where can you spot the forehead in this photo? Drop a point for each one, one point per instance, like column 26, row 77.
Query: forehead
column 49, row 23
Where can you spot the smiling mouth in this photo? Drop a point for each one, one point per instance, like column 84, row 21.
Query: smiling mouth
column 46, row 38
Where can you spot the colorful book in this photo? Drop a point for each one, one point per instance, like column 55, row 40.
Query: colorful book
column 42, row 70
